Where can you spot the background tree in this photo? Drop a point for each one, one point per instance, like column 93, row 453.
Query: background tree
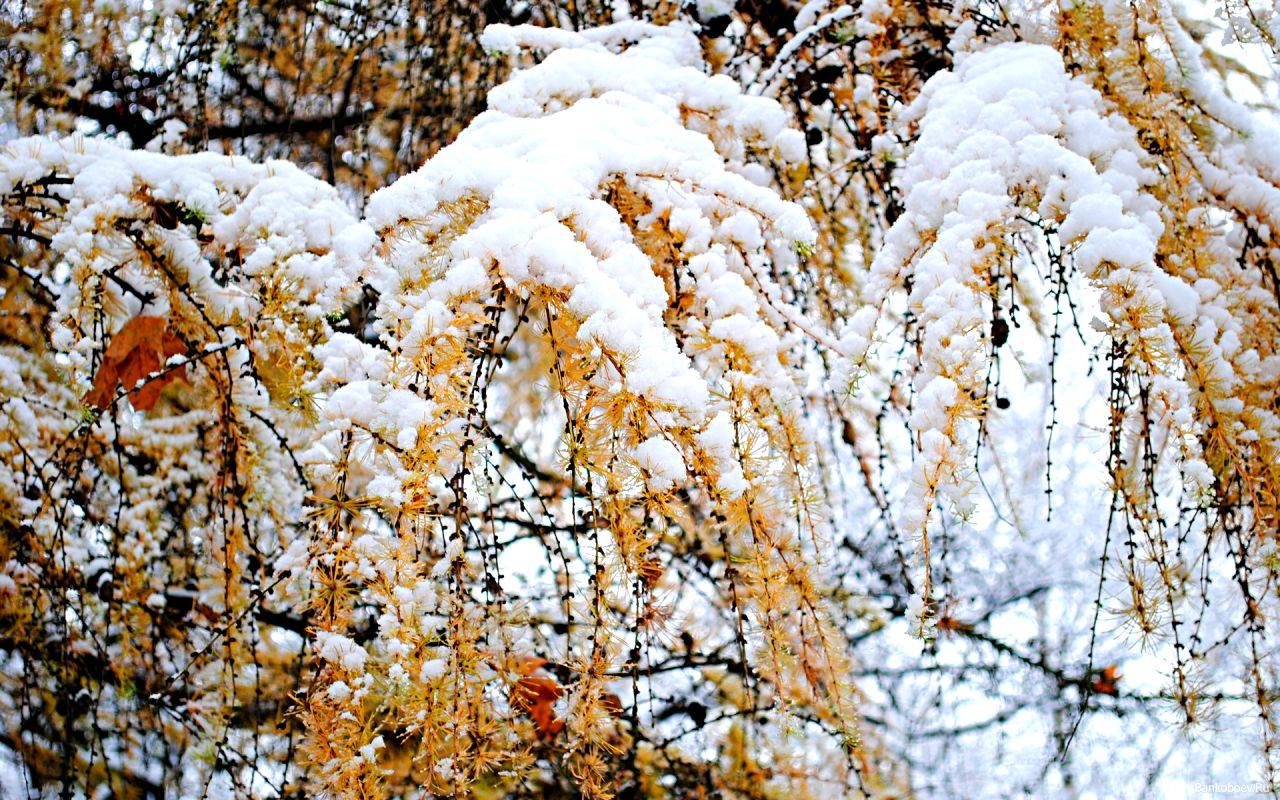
column 665, row 400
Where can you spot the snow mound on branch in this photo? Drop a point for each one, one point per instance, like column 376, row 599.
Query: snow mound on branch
column 1008, row 134
column 540, row 169
column 285, row 221
column 246, row 260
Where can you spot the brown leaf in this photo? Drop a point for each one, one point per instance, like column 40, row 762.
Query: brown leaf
column 651, row 571
column 534, row 695
column 1107, row 681
column 527, row 665
column 949, row 623
column 168, row 215
column 611, row 703
column 137, row 350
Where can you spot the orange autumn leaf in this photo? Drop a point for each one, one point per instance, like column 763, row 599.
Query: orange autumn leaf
column 949, row 623
column 612, row 704
column 138, row 349
column 1107, row 681
column 527, row 665
column 534, row 695
column 651, row 571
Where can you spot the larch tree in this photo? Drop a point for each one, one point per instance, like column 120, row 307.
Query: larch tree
column 643, row 400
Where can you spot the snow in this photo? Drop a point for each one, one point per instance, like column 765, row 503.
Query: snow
column 341, row 651
column 1007, row 123
column 433, row 669
column 661, row 463
column 598, row 138
column 536, row 169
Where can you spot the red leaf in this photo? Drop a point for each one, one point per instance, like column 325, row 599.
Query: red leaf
column 949, row 623
column 1107, row 681
column 611, row 703
column 137, row 350
column 527, row 665
column 651, row 571
column 534, row 695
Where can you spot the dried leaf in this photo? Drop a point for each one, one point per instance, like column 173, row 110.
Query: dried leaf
column 651, row 571
column 138, row 349
column 611, row 703
column 950, row 623
column 1107, row 681
column 527, row 665
column 535, row 695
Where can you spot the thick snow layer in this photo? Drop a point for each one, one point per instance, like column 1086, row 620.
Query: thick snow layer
column 1008, row 129
column 628, row 105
